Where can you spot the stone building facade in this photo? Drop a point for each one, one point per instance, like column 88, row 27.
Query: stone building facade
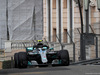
column 69, row 18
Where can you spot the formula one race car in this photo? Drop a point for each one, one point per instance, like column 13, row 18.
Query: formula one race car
column 42, row 55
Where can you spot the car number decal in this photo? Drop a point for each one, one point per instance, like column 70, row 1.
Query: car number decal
column 43, row 56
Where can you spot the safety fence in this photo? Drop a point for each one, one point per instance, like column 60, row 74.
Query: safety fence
column 21, row 44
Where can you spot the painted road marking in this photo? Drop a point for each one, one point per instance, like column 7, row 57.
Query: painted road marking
column 92, row 73
column 25, row 73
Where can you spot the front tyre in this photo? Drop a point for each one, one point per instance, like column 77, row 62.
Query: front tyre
column 64, row 57
column 22, row 60
column 16, row 60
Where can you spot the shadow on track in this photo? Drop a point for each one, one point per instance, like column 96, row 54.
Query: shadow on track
column 34, row 69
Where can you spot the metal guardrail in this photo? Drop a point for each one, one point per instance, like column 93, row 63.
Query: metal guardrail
column 84, row 62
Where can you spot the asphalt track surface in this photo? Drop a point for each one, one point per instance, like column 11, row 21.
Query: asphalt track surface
column 58, row 70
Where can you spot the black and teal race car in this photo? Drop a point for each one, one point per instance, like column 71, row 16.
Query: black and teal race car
column 41, row 54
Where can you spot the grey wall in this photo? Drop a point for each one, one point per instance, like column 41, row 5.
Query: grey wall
column 3, row 30
column 20, row 17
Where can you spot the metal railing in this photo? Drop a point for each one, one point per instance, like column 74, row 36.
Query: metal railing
column 65, row 40
column 85, row 62
column 19, row 44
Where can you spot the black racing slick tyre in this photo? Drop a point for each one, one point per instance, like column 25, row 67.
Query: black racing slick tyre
column 64, row 57
column 22, row 60
column 16, row 60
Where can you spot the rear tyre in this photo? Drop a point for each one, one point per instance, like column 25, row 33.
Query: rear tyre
column 22, row 60
column 16, row 60
column 64, row 57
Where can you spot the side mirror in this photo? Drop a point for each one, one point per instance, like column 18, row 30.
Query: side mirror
column 98, row 4
column 29, row 49
column 51, row 48
column 34, row 48
column 86, row 4
column 45, row 48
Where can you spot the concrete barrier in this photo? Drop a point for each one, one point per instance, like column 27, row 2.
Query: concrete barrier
column 1, row 61
column 7, row 46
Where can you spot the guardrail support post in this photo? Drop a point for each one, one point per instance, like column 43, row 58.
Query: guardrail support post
column 74, row 52
column 96, row 47
column 12, row 64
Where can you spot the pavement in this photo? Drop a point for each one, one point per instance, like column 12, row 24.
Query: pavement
column 58, row 70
